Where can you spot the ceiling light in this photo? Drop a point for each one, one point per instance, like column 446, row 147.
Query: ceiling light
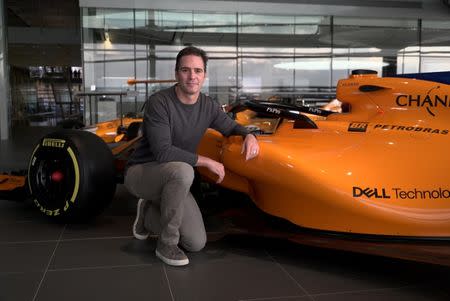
column 338, row 64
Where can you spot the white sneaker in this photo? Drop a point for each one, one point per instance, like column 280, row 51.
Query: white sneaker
column 139, row 230
column 171, row 254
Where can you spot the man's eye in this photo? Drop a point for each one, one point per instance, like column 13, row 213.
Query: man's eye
column 196, row 70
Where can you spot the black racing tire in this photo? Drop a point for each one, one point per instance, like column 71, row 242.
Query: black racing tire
column 71, row 175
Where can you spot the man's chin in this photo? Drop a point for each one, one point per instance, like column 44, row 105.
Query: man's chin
column 191, row 91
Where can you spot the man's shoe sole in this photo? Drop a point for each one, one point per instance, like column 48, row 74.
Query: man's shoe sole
column 138, row 214
column 172, row 262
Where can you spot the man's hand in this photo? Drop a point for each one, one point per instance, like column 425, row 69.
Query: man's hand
column 250, row 147
column 213, row 166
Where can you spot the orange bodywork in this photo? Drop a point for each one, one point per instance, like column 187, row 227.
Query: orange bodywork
column 108, row 130
column 11, row 182
column 381, row 168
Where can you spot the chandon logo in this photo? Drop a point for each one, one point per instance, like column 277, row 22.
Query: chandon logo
column 428, row 101
column 370, row 192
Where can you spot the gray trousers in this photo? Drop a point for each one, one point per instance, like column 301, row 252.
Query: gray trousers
column 173, row 213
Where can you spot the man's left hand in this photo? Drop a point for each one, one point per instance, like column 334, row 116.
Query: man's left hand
column 250, row 147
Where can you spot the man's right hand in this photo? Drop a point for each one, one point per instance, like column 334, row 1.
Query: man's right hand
column 213, row 166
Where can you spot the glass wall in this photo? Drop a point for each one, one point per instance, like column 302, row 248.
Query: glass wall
column 276, row 54
column 294, row 59
column 376, row 44
column 435, row 46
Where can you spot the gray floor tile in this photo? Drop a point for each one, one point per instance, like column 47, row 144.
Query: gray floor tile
column 320, row 280
column 231, row 280
column 19, row 286
column 34, row 230
column 230, row 249
column 122, row 283
column 330, row 271
column 103, row 252
column 25, row 257
column 400, row 294
column 17, row 211
column 102, row 226
column 285, row 298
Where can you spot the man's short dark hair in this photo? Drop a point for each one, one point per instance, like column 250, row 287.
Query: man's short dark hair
column 191, row 50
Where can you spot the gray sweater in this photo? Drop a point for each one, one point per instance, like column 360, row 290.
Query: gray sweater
column 172, row 130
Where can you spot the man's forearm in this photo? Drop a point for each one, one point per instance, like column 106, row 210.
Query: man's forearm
column 202, row 161
column 215, row 167
column 240, row 130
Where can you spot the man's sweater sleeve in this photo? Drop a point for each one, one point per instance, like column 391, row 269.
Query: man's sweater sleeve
column 158, row 133
column 224, row 124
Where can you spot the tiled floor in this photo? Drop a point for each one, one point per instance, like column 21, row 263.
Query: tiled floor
column 40, row 260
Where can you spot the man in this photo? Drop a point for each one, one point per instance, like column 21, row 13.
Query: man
column 161, row 171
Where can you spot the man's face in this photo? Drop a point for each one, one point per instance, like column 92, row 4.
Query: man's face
column 190, row 74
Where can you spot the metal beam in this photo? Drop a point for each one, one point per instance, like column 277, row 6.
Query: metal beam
column 5, row 99
column 417, row 9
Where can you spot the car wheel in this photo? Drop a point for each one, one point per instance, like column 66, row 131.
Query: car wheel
column 71, row 175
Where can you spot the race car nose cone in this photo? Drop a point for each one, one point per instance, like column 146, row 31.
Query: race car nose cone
column 57, row 176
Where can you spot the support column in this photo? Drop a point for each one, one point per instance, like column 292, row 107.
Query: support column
column 5, row 99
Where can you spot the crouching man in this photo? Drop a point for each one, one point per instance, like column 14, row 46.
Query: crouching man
column 160, row 171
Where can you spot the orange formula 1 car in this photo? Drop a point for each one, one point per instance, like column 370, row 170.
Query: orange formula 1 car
column 372, row 179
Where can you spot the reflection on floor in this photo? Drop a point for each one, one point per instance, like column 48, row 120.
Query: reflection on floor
column 41, row 260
